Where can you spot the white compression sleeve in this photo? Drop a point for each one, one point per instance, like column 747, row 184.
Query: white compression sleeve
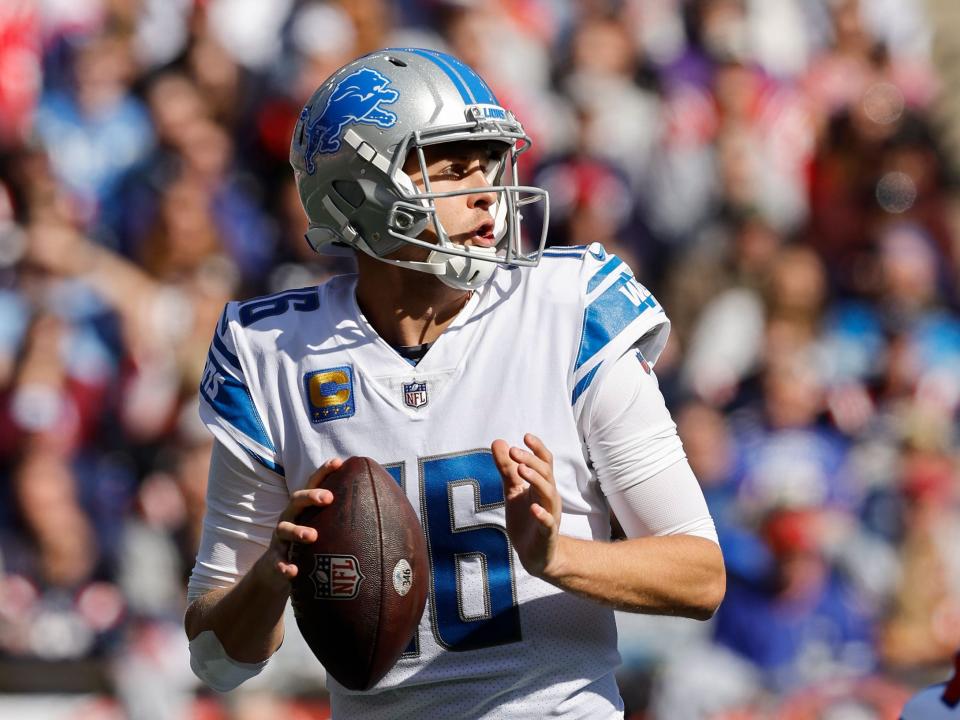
column 639, row 459
column 668, row 503
column 243, row 506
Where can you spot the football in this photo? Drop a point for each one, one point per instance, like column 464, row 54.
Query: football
column 361, row 587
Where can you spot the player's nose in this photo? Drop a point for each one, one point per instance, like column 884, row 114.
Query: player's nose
column 482, row 197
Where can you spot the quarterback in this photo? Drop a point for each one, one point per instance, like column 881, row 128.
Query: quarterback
column 508, row 388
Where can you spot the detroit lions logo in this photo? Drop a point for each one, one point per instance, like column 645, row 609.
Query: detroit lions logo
column 356, row 99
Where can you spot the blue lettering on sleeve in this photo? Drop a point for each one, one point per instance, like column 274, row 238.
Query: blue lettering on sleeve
column 607, row 316
column 231, row 400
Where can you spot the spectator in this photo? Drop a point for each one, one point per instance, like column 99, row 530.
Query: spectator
column 801, row 623
column 99, row 130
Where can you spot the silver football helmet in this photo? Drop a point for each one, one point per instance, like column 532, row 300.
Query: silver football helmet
column 353, row 139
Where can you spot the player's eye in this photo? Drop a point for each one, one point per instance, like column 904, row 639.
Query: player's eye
column 458, row 169
column 453, row 171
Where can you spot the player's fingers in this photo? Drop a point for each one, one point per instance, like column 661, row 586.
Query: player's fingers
column 539, row 449
column 526, row 457
column 503, row 461
column 312, row 496
column 501, row 452
column 302, row 499
column 544, row 517
column 513, row 485
column 291, row 532
column 288, row 570
column 331, row 465
column 546, row 491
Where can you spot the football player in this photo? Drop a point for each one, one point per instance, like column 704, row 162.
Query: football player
column 508, row 388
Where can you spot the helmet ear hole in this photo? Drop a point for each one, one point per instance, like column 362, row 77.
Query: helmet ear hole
column 350, row 191
column 408, row 221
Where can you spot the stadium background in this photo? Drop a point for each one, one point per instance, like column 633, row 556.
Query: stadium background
column 781, row 173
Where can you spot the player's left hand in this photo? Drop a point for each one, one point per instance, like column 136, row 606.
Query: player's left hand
column 532, row 501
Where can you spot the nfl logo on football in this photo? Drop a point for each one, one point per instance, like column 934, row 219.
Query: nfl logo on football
column 336, row 577
column 415, row 394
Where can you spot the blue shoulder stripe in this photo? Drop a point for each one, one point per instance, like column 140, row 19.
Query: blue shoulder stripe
column 220, row 369
column 584, row 384
column 232, row 401
column 268, row 464
column 612, row 264
column 225, row 351
column 608, row 315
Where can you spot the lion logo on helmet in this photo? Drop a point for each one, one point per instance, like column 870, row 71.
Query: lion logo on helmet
column 356, row 99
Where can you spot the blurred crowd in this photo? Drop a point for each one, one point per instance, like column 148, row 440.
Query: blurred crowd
column 778, row 172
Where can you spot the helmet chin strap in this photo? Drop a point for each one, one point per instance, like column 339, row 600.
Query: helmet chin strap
column 463, row 273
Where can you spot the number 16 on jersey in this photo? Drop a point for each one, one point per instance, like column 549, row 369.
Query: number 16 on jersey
column 473, row 593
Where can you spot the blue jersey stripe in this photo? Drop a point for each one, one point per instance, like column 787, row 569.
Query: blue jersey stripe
column 560, row 251
column 480, row 90
column 608, row 315
column 232, row 401
column 450, row 72
column 268, row 464
column 571, row 250
column 612, row 264
column 225, row 351
column 584, row 384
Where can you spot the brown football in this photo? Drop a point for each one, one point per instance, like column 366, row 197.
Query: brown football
column 361, row 587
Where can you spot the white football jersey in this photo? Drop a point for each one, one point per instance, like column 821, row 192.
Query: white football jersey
column 296, row 378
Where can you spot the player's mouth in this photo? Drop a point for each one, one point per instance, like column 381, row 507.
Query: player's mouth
column 481, row 236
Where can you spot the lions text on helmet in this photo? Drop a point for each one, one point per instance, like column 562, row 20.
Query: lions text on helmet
column 365, row 151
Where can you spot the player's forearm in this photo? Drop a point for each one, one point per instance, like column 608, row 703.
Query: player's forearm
column 665, row 575
column 247, row 618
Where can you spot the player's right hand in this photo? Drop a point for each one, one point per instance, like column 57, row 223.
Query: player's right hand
column 287, row 531
column 533, row 504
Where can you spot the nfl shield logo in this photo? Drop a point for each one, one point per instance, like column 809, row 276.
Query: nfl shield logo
column 415, row 394
column 336, row 577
